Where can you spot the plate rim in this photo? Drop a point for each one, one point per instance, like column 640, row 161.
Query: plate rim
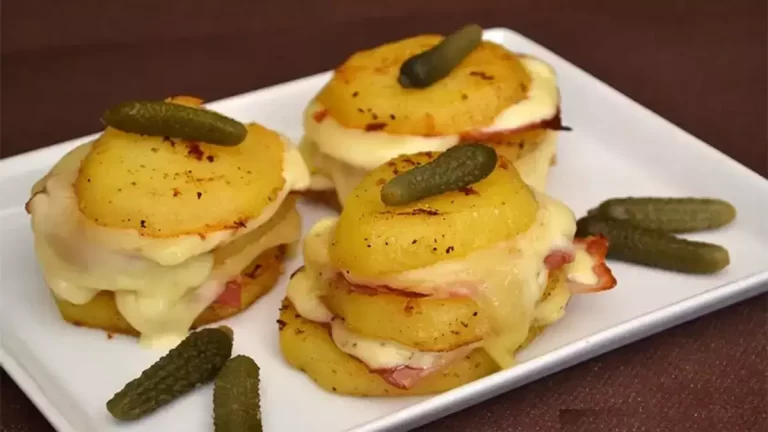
column 441, row 405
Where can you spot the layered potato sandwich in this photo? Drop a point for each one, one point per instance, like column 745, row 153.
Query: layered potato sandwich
column 429, row 93
column 174, row 217
column 440, row 267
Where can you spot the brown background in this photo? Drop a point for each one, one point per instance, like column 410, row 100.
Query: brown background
column 702, row 66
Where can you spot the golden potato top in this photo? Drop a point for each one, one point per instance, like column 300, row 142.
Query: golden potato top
column 364, row 92
column 373, row 239
column 166, row 187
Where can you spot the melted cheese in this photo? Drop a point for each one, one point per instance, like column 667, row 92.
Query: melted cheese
column 508, row 280
column 551, row 309
column 163, row 318
column 580, row 269
column 340, row 157
column 534, row 167
column 306, row 286
column 60, row 197
column 330, row 173
column 367, row 150
column 378, row 354
column 160, row 285
column 304, row 291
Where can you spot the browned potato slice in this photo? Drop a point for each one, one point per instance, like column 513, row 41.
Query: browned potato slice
column 427, row 324
column 167, row 188
column 101, row 312
column 364, row 91
column 374, row 239
column 307, row 346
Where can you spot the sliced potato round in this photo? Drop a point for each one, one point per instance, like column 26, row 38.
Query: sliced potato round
column 374, row 239
column 364, row 91
column 427, row 324
column 166, row 187
column 308, row 346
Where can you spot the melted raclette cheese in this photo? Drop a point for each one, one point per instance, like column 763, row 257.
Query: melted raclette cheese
column 382, row 355
column 509, row 281
column 330, row 173
column 340, row 157
column 160, row 285
column 369, row 149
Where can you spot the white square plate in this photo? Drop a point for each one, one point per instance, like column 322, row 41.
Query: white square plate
column 617, row 148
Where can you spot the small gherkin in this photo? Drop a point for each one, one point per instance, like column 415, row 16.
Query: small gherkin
column 654, row 248
column 455, row 168
column 674, row 215
column 236, row 400
column 195, row 361
column 426, row 68
column 160, row 118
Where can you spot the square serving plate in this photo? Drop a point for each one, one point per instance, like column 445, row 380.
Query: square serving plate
column 617, row 148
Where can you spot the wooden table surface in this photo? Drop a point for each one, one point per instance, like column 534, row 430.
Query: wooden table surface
column 701, row 64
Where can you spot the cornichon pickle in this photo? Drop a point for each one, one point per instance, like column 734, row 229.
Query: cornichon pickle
column 654, row 248
column 236, row 400
column 160, row 118
column 457, row 167
column 195, row 361
column 429, row 67
column 676, row 215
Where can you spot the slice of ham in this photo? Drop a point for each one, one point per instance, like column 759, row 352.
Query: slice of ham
column 232, row 294
column 557, row 259
column 403, row 377
column 320, row 115
column 597, row 248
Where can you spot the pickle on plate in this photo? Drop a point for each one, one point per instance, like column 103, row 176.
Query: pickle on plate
column 674, row 215
column 429, row 67
column 175, row 120
column 236, row 399
column 457, row 167
column 654, row 248
column 195, row 361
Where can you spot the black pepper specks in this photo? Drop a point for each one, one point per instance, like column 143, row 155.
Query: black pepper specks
column 143, row 223
column 199, row 195
column 449, row 249
column 482, row 75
